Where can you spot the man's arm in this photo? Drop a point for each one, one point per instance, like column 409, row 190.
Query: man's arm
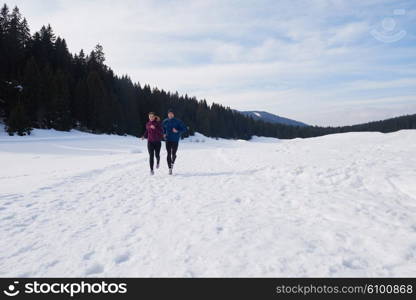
column 164, row 128
column 182, row 128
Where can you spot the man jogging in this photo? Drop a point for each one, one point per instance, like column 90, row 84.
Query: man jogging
column 173, row 129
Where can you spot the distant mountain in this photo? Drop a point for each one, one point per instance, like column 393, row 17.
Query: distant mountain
column 271, row 118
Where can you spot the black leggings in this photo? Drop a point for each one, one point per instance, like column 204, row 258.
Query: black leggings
column 171, row 148
column 154, row 150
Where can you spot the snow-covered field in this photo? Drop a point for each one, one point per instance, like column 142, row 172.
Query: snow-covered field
column 75, row 204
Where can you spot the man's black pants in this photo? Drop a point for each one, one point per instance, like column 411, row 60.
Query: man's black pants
column 154, row 150
column 171, row 148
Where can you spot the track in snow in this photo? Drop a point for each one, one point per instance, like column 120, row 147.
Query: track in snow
column 341, row 205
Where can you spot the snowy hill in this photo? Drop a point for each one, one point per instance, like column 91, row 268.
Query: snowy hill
column 271, row 118
column 76, row 204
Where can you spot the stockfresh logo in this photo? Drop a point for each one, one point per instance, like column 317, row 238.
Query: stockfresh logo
column 12, row 290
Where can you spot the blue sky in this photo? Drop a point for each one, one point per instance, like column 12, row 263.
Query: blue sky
column 323, row 62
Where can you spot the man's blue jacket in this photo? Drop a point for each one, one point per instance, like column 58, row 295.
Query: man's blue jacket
column 169, row 124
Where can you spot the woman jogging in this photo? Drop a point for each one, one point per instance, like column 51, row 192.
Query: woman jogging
column 154, row 135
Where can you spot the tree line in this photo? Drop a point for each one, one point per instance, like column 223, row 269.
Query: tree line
column 43, row 85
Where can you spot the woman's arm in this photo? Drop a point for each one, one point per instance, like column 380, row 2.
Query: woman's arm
column 159, row 129
column 164, row 126
column 146, row 132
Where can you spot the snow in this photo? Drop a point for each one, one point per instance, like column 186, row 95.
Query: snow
column 257, row 114
column 262, row 139
column 76, row 204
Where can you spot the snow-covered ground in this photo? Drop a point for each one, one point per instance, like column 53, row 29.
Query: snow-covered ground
column 75, row 204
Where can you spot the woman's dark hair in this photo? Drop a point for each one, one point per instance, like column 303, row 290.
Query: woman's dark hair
column 152, row 113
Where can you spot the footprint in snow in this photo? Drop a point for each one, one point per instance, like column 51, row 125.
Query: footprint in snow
column 122, row 258
column 94, row 269
column 354, row 263
column 88, row 255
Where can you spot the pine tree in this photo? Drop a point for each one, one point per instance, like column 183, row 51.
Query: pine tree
column 80, row 105
column 62, row 57
column 18, row 122
column 60, row 104
column 16, row 39
column 24, row 31
column 32, row 93
column 99, row 112
column 4, row 20
column 96, row 58
column 44, row 45
column 99, row 54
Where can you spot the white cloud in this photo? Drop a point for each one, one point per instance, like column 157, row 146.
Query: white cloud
column 348, row 33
